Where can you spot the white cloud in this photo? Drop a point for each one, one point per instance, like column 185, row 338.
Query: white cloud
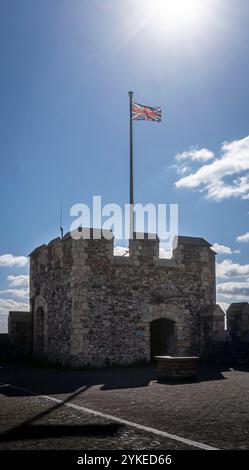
column 11, row 260
column 223, row 250
column 235, row 290
column 5, row 306
column 228, row 269
column 243, row 238
column 18, row 281
column 182, row 169
column 9, row 304
column 195, row 154
column 18, row 293
column 210, row 178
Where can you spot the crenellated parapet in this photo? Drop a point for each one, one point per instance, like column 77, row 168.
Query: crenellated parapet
column 144, row 248
column 238, row 320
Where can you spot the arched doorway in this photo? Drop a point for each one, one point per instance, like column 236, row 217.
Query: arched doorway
column 39, row 331
column 162, row 338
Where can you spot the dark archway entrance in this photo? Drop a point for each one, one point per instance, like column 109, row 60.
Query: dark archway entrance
column 39, row 331
column 162, row 338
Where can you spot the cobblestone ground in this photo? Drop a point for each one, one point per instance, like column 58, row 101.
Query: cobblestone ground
column 214, row 410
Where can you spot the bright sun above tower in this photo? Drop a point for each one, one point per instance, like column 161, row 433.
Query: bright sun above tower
column 175, row 15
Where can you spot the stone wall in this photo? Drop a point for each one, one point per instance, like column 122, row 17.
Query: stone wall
column 51, row 294
column 238, row 320
column 20, row 334
column 92, row 308
column 212, row 322
column 232, row 346
column 5, row 347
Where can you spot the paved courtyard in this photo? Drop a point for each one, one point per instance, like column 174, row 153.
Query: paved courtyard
column 44, row 408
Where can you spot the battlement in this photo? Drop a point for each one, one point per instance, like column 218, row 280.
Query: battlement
column 93, row 244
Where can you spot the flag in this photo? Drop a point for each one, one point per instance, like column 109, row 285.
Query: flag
column 141, row 112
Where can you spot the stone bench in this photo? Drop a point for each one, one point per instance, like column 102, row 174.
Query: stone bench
column 176, row 368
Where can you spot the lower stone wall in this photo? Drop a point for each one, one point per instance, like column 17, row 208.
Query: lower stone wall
column 20, row 334
column 5, row 347
column 176, row 368
column 230, row 353
column 232, row 345
column 212, row 323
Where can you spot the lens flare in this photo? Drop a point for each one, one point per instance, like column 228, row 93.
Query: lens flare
column 176, row 14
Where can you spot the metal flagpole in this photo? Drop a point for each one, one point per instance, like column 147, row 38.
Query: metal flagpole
column 61, row 228
column 130, row 93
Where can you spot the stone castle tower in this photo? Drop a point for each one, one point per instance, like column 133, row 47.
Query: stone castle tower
column 90, row 308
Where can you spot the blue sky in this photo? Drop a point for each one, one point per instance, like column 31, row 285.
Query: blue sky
column 66, row 68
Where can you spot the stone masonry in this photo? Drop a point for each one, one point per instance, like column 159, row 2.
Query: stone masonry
column 238, row 321
column 232, row 345
column 93, row 309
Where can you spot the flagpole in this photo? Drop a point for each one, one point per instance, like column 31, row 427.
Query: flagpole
column 130, row 93
column 61, row 228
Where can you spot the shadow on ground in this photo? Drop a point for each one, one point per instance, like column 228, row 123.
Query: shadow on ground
column 30, row 380
column 48, row 381
column 42, row 431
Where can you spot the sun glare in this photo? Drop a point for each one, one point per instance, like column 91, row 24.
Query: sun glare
column 176, row 14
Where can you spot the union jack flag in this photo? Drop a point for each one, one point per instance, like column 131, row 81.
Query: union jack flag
column 141, row 112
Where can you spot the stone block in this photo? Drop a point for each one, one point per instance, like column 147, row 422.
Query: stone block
column 176, row 368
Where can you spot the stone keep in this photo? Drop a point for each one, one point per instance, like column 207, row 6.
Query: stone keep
column 93, row 309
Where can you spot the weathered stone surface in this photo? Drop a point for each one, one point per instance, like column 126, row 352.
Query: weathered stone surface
column 238, row 319
column 93, row 309
column 176, row 368
column 20, row 333
column 233, row 345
